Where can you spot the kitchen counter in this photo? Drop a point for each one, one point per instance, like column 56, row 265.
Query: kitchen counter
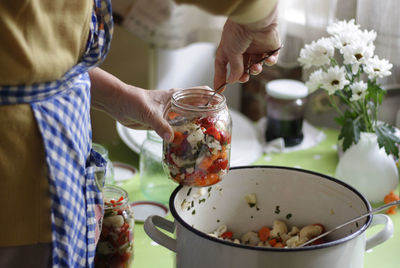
column 324, row 160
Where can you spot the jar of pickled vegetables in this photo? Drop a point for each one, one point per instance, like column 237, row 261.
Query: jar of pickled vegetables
column 115, row 246
column 199, row 154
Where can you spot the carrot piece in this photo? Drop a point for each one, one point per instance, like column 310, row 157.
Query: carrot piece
column 272, row 242
column 390, row 198
column 214, row 156
column 206, row 163
column 209, row 179
column 212, row 178
column 178, row 138
column 263, row 233
column 278, row 245
column 172, row 115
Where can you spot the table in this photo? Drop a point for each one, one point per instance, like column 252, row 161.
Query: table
column 324, row 160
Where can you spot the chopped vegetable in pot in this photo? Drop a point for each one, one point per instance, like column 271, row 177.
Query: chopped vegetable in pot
column 279, row 236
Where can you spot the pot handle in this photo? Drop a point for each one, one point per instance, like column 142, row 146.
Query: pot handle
column 384, row 234
column 156, row 235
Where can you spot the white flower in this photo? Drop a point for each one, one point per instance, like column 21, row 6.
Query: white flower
column 334, row 79
column 367, row 37
column 315, row 80
column 343, row 39
column 359, row 90
column 376, row 68
column 317, row 53
column 342, row 26
column 357, row 53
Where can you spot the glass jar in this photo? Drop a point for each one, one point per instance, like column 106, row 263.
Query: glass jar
column 109, row 176
column 115, row 246
column 153, row 180
column 285, row 109
column 199, row 155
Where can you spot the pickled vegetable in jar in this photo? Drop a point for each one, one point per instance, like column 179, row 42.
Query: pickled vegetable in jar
column 199, row 154
column 115, row 246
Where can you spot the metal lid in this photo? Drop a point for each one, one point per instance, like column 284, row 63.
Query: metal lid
column 144, row 209
column 286, row 89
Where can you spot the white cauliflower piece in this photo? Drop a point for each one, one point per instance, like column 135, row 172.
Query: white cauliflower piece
column 250, row 238
column 195, row 136
column 295, row 241
column 278, row 228
column 310, row 231
column 115, row 221
column 251, row 199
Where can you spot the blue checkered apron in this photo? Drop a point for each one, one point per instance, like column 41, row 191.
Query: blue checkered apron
column 61, row 109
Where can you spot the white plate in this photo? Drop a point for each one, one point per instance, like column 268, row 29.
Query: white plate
column 245, row 145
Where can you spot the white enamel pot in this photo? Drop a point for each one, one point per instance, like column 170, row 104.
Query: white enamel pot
column 302, row 196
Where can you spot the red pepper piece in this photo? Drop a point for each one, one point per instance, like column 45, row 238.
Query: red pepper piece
column 206, row 122
column 225, row 138
column 218, row 165
column 227, row 234
column 212, row 131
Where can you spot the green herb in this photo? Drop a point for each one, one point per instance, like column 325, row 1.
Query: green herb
column 188, row 193
column 217, row 220
column 257, row 208
column 252, row 204
column 277, row 210
column 251, row 217
column 288, row 216
column 193, row 212
column 202, row 200
column 209, row 189
column 192, row 204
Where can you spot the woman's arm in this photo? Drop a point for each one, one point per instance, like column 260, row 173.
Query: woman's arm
column 132, row 106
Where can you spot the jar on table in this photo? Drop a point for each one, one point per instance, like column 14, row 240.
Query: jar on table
column 109, row 175
column 153, row 181
column 199, row 154
column 285, row 109
column 115, row 245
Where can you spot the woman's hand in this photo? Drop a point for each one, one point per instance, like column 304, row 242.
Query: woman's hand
column 244, row 44
column 132, row 106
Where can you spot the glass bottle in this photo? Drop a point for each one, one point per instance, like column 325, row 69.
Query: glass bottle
column 153, row 180
column 109, row 176
column 199, row 155
column 285, row 109
column 115, row 246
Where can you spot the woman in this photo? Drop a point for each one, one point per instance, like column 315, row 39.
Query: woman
column 48, row 78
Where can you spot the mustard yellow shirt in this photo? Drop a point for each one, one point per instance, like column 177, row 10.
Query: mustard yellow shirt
column 41, row 39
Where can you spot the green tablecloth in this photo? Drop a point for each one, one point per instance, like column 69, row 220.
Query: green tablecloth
column 321, row 158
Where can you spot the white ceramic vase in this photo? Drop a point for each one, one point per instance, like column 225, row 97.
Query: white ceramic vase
column 368, row 168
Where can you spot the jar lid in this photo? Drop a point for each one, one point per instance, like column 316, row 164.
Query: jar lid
column 286, row 89
column 144, row 209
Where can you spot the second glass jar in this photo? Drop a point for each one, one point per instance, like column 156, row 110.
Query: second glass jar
column 199, row 154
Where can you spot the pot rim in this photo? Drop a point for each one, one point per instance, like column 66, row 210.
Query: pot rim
column 313, row 247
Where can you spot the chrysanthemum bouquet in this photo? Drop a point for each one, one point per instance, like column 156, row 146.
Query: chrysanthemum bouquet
column 352, row 77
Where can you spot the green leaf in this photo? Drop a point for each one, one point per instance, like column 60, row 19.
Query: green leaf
column 350, row 132
column 387, row 139
column 375, row 92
